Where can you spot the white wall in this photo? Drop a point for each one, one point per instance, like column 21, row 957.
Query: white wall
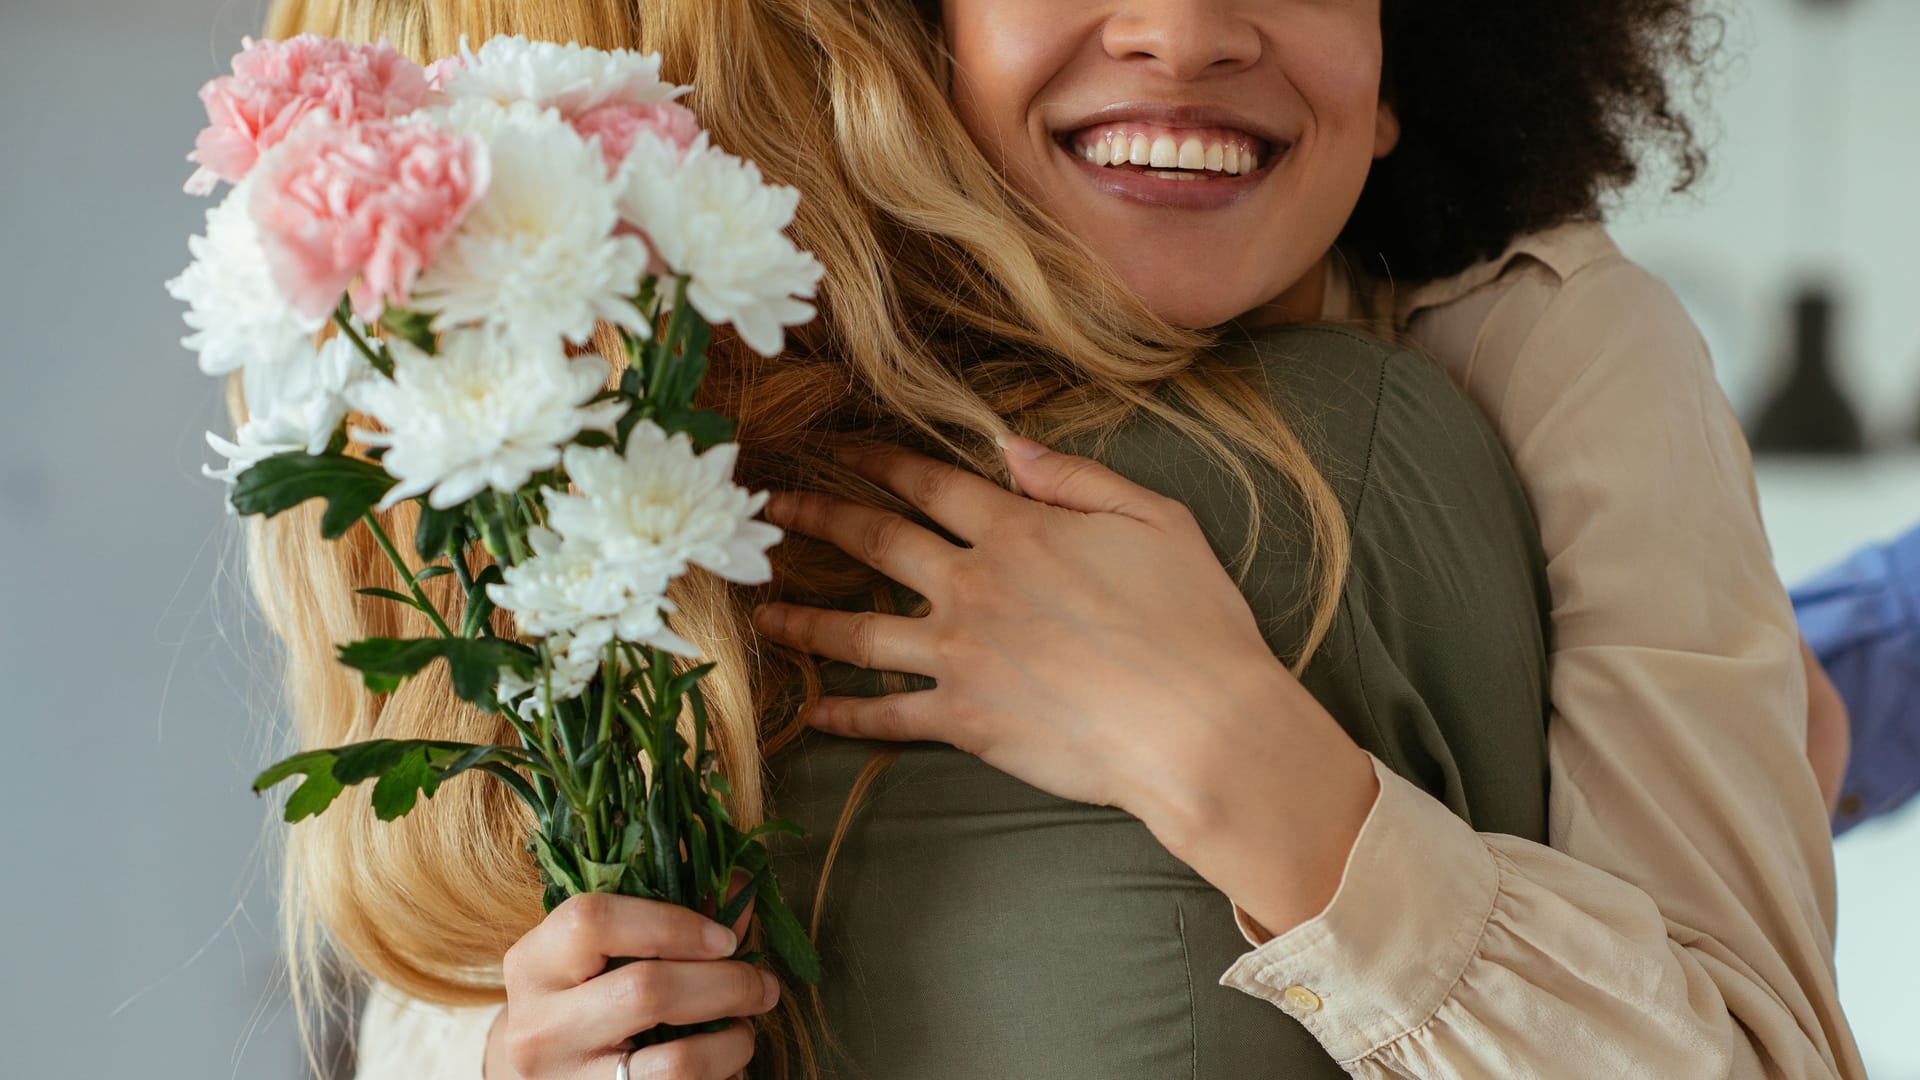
column 1816, row 171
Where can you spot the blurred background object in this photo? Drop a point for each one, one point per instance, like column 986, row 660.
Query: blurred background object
column 139, row 929
column 1809, row 413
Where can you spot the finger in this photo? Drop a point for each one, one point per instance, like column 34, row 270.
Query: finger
column 865, row 639
column 905, row 552
column 715, row 1055
column 964, row 503
column 905, row 717
column 606, row 1009
column 1078, row 483
column 575, row 941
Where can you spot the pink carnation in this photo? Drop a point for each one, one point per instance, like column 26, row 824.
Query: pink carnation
column 275, row 84
column 362, row 209
column 440, row 70
column 620, row 124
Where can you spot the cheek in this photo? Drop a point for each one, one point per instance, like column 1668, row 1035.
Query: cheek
column 1335, row 69
column 1003, row 53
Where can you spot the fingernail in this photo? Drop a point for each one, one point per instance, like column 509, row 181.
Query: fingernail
column 1021, row 447
column 773, row 990
column 720, row 939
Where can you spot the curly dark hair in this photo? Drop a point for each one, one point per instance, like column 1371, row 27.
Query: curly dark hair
column 1517, row 115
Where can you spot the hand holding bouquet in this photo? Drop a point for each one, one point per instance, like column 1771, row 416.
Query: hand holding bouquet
column 459, row 226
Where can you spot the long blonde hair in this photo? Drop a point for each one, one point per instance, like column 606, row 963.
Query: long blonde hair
column 951, row 309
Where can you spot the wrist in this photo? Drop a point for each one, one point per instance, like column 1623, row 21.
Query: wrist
column 1267, row 803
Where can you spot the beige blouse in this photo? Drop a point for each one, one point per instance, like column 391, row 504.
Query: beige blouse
column 1680, row 925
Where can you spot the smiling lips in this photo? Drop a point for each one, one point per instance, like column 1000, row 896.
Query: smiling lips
column 1187, row 150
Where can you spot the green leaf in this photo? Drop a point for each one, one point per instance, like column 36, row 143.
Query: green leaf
column 777, row 825
column 630, row 839
column 601, row 877
column 401, row 785
column 389, row 594
column 591, row 754
column 786, row 935
column 700, row 851
column 595, row 438
column 731, row 910
column 438, row 530
column 350, row 486
column 480, row 608
column 315, row 794
column 705, row 428
column 432, row 572
column 405, row 768
column 557, row 867
column 414, row 326
column 384, row 663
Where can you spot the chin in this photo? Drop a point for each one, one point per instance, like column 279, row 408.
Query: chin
column 1197, row 311
column 1191, row 294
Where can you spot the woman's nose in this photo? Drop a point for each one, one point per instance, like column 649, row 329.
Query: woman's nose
column 1184, row 37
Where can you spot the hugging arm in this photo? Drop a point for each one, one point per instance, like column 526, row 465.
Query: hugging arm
column 1679, row 922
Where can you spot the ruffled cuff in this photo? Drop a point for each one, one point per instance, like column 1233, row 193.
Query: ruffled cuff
column 1378, row 962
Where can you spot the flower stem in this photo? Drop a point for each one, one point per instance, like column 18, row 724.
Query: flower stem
column 457, row 555
column 413, row 585
column 506, row 505
column 380, row 363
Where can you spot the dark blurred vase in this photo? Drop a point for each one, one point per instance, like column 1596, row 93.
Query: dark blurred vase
column 1810, row 413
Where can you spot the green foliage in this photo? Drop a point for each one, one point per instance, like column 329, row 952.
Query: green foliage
column 384, row 663
column 350, row 486
column 784, row 932
column 439, row 529
column 479, row 604
column 414, row 326
column 404, row 769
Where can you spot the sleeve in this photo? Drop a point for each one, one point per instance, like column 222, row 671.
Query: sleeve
column 1862, row 619
column 402, row 1038
column 1679, row 921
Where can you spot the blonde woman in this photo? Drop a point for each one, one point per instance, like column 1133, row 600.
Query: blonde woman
column 1142, row 822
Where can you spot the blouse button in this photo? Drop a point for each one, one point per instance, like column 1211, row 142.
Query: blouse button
column 1301, row 999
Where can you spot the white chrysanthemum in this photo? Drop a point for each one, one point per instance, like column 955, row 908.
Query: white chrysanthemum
column 571, row 78
column 485, row 412
column 237, row 314
column 571, row 588
column 571, row 676
column 291, row 405
column 713, row 218
column 538, row 255
column 662, row 505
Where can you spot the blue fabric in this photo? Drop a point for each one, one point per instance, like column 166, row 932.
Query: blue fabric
column 1862, row 619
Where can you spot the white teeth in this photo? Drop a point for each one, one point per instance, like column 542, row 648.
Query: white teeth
column 1163, row 152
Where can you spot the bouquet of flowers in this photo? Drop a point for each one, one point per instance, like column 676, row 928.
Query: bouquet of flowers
column 459, row 225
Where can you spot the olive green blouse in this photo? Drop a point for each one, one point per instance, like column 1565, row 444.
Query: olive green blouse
column 977, row 927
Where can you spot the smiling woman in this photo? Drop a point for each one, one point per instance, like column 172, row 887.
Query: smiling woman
column 1293, row 86
column 1259, row 641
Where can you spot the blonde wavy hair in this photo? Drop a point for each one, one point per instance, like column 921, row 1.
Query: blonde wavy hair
column 951, row 310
